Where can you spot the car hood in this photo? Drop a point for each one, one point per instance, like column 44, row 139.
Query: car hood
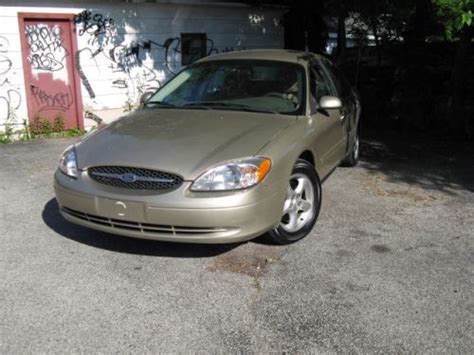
column 185, row 142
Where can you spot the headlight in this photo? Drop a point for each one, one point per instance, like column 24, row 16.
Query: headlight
column 233, row 175
column 68, row 163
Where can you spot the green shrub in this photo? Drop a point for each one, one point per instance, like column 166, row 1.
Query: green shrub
column 4, row 139
column 129, row 106
column 46, row 127
column 37, row 125
column 41, row 127
column 58, row 124
column 34, row 127
column 74, row 132
column 7, row 136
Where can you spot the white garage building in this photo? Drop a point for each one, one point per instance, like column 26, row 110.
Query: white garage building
column 76, row 59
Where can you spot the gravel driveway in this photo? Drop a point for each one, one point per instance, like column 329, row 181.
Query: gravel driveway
column 388, row 268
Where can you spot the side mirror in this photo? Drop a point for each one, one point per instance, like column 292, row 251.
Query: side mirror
column 145, row 97
column 330, row 103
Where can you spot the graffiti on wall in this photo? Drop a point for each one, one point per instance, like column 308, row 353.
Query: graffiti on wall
column 5, row 62
column 132, row 67
column 81, row 73
column 46, row 47
column 172, row 50
column 10, row 97
column 94, row 24
column 128, row 72
column 45, row 100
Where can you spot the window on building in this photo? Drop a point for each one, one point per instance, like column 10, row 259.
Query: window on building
column 193, row 47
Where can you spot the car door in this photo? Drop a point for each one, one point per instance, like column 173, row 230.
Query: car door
column 349, row 107
column 329, row 143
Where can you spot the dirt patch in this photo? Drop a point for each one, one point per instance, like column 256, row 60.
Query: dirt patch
column 380, row 248
column 375, row 184
column 250, row 259
column 416, row 197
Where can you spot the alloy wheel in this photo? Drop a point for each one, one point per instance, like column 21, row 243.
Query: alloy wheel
column 298, row 208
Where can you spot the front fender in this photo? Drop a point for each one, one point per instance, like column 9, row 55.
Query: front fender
column 284, row 150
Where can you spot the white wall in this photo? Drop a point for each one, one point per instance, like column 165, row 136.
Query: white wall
column 114, row 75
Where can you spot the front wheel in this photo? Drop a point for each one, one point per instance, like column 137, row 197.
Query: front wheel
column 301, row 207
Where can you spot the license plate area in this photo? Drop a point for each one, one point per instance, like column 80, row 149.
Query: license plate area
column 119, row 209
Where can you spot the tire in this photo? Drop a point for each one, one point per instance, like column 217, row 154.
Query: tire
column 302, row 205
column 353, row 157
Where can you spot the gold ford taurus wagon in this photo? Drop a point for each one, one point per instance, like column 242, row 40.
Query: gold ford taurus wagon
column 233, row 147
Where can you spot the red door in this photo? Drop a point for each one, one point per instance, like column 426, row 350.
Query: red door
column 48, row 47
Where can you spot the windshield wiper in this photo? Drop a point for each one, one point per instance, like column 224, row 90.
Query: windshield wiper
column 253, row 109
column 160, row 104
column 202, row 105
column 210, row 104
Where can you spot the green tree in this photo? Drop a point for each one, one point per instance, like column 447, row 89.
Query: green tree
column 456, row 17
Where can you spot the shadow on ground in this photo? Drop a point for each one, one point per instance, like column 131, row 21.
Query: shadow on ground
column 439, row 165
column 97, row 239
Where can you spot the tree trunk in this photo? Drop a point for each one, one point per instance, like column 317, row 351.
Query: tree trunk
column 422, row 10
column 373, row 25
column 341, row 35
column 378, row 104
column 457, row 116
column 305, row 18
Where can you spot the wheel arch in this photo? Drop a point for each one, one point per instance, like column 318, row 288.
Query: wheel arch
column 308, row 156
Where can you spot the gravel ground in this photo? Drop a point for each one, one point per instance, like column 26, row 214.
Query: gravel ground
column 388, row 268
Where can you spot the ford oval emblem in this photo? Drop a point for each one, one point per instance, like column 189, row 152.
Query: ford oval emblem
column 129, row 178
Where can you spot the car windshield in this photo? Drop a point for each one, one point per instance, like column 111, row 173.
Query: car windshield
column 243, row 85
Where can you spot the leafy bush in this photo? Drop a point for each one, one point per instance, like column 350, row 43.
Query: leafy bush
column 74, row 132
column 58, row 124
column 129, row 106
column 6, row 137
column 36, row 127
column 41, row 127
column 46, row 127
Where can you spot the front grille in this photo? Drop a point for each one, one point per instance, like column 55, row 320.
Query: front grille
column 134, row 178
column 143, row 228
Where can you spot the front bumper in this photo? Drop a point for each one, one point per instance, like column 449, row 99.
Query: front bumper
column 178, row 216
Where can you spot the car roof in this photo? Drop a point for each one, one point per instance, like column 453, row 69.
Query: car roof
column 283, row 55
